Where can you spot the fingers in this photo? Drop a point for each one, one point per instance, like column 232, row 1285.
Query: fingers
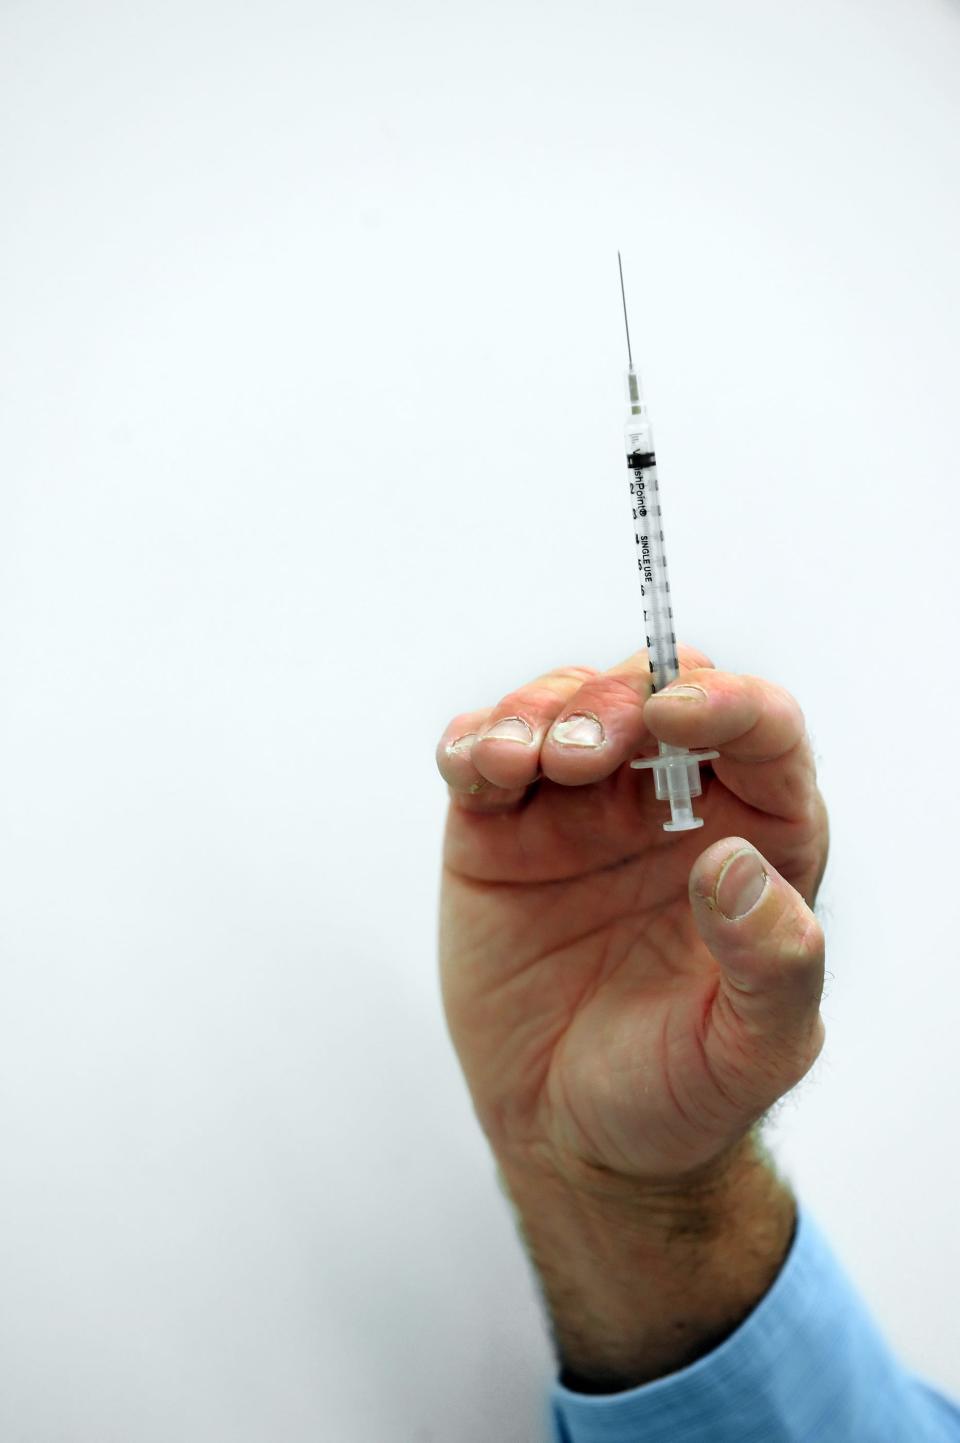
column 507, row 749
column 602, row 724
column 577, row 726
column 764, row 1029
column 469, row 788
column 573, row 725
column 757, row 727
column 455, row 763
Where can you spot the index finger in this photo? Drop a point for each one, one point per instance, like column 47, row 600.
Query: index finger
column 755, row 725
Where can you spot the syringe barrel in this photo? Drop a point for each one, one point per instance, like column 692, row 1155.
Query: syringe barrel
column 648, row 536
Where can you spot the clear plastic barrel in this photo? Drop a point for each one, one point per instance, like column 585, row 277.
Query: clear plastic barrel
column 648, row 535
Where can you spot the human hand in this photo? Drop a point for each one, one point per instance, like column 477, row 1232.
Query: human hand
column 614, row 1014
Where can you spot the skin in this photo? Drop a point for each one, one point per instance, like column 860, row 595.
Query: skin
column 622, row 1030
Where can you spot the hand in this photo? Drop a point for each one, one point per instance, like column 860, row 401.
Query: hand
column 627, row 1002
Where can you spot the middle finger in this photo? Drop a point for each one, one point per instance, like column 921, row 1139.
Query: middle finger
column 603, row 725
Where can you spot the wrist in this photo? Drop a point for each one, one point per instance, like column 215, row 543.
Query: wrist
column 642, row 1278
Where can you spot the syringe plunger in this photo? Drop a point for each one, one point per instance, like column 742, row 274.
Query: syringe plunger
column 676, row 776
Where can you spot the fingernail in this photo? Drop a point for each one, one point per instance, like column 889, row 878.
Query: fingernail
column 740, row 884
column 462, row 744
column 579, row 730
column 509, row 729
column 680, row 691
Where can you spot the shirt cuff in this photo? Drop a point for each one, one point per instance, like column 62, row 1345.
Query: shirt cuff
column 808, row 1362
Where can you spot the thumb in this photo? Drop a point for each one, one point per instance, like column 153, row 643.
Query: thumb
column 765, row 1029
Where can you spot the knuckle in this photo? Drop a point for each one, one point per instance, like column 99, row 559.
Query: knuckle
column 542, row 694
column 565, row 681
column 780, row 703
column 811, row 943
column 799, row 937
column 691, row 659
column 617, row 689
column 771, row 689
column 526, row 701
column 578, row 674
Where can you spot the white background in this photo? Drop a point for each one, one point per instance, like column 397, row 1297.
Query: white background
column 311, row 436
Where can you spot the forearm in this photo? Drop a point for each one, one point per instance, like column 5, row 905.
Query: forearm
column 639, row 1282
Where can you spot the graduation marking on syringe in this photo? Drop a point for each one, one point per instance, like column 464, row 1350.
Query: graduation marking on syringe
column 676, row 770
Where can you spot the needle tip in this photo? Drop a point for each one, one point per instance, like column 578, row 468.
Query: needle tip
column 625, row 321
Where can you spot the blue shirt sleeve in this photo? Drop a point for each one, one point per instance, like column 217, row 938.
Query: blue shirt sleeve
column 807, row 1366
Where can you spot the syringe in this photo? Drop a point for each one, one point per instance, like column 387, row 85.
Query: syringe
column 676, row 771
